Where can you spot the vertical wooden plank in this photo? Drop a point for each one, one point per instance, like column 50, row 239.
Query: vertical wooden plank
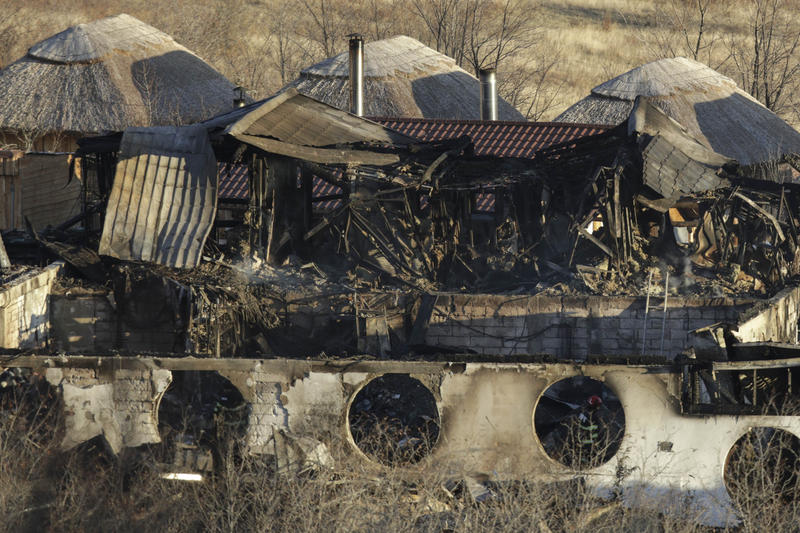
column 308, row 193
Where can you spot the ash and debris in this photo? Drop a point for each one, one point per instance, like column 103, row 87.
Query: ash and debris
column 639, row 210
column 394, row 420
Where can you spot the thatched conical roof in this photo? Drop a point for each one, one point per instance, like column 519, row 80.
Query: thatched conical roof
column 709, row 105
column 402, row 78
column 108, row 75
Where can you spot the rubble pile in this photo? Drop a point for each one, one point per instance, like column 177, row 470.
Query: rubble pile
column 305, row 262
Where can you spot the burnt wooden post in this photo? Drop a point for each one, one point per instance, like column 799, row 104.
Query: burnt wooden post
column 282, row 177
column 307, row 181
column 255, row 193
column 499, row 213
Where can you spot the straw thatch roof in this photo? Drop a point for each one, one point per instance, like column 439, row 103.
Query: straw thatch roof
column 402, row 78
column 709, row 105
column 108, row 75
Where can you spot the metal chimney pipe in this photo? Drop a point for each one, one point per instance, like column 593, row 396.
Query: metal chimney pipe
column 356, row 74
column 488, row 94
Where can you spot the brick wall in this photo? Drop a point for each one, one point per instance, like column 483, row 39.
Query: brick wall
column 121, row 405
column 561, row 326
column 24, row 309
column 90, row 323
column 316, row 404
column 573, row 326
column 83, row 323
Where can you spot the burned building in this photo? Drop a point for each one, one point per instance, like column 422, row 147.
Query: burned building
column 635, row 266
column 580, row 235
column 92, row 78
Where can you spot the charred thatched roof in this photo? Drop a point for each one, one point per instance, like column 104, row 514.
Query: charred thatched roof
column 402, row 78
column 108, row 75
column 709, row 105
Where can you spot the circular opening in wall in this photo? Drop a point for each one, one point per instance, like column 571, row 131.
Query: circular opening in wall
column 579, row 422
column 201, row 418
column 394, row 420
column 762, row 470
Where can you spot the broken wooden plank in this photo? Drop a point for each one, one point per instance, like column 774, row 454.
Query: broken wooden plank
column 597, row 242
column 86, row 261
column 661, row 205
column 764, row 212
column 687, row 223
column 420, row 327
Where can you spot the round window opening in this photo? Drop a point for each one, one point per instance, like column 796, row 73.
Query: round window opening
column 202, row 417
column 580, row 422
column 761, row 470
column 394, row 420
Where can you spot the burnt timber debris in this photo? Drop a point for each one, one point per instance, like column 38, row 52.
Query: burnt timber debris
column 347, row 251
column 594, row 214
column 340, row 209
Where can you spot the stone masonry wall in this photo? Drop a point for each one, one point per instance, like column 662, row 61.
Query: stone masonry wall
column 505, row 325
column 774, row 320
column 24, row 311
column 83, row 323
column 573, row 326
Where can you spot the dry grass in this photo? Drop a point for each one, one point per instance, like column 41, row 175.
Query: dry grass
column 86, row 489
column 595, row 39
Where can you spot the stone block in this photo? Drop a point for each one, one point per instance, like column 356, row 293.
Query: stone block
column 484, row 342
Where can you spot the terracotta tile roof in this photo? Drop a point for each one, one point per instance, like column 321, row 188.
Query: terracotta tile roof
column 234, row 185
column 323, row 188
column 501, row 139
column 233, row 182
column 484, row 202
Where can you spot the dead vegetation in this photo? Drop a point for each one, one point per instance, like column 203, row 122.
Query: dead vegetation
column 614, row 214
column 86, row 489
column 586, row 41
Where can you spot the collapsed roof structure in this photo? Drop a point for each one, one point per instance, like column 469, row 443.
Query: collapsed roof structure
column 606, row 214
column 634, row 255
column 712, row 108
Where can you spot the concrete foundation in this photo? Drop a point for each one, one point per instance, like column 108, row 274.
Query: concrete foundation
column 486, row 412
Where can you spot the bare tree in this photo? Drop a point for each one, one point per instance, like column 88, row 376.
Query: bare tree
column 498, row 31
column 327, row 26
column 8, row 33
column 478, row 33
column 528, row 85
column 694, row 29
column 285, row 52
column 481, row 34
column 767, row 59
column 380, row 19
column 448, row 24
column 146, row 82
column 208, row 30
column 686, row 28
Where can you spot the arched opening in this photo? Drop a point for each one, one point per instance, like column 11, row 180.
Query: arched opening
column 202, row 418
column 579, row 422
column 394, row 420
column 762, row 471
